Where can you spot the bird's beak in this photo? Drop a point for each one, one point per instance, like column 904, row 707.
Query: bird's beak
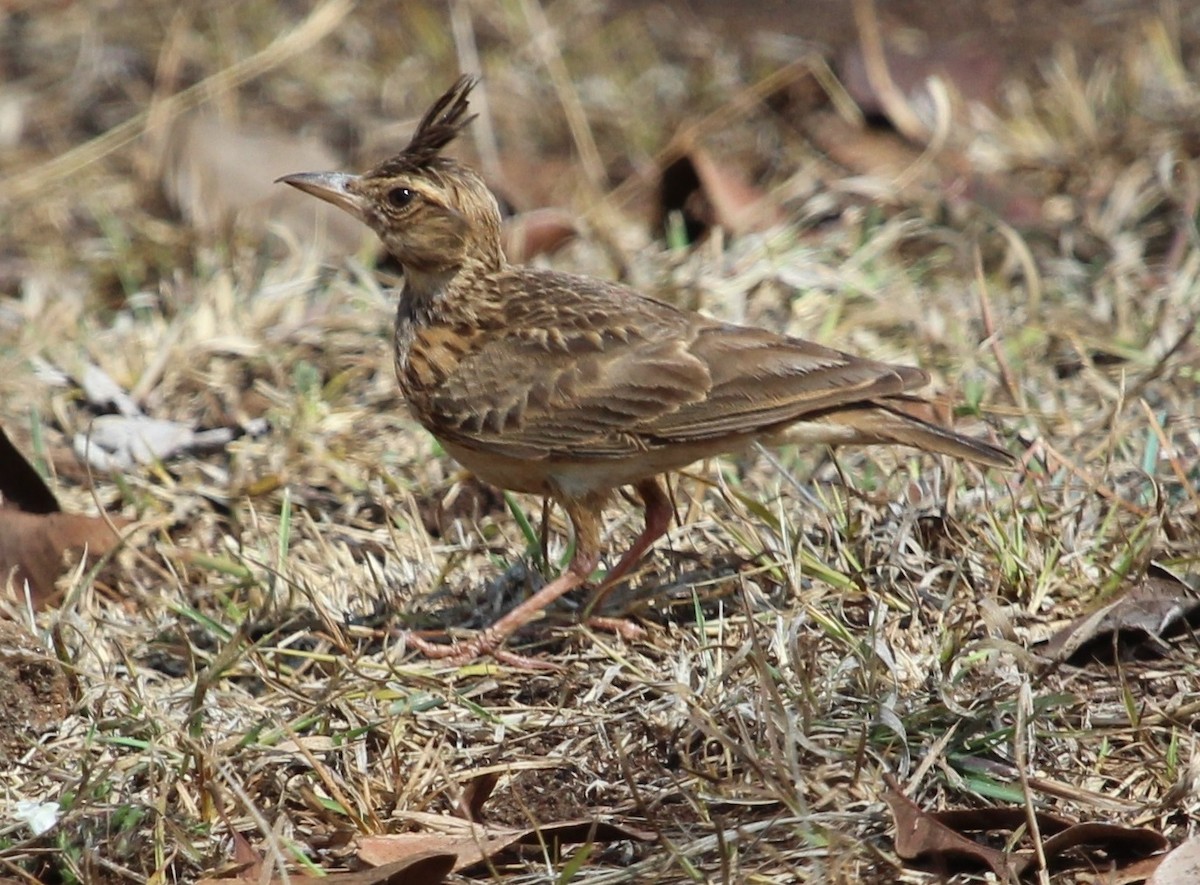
column 332, row 187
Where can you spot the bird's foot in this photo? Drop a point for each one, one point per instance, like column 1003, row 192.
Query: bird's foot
column 483, row 645
column 622, row 627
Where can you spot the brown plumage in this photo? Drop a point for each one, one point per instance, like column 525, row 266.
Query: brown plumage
column 571, row 387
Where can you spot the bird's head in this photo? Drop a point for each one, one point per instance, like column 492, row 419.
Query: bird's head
column 433, row 214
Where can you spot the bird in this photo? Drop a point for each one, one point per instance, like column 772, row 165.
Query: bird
column 572, row 387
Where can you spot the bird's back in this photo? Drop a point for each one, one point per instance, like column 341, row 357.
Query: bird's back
column 551, row 365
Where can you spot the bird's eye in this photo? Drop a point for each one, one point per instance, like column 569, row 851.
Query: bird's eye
column 400, row 196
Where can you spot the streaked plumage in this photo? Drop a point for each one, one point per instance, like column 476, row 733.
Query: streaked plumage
column 571, row 387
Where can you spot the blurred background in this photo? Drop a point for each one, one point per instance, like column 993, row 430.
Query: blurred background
column 196, row 382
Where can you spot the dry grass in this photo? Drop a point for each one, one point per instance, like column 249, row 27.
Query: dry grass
column 812, row 621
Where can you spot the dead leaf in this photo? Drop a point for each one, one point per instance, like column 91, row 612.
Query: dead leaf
column 22, row 487
column 426, row 868
column 118, row 442
column 33, row 544
column 926, row 836
column 473, row 843
column 475, row 793
column 1133, row 874
column 1179, row 867
column 32, row 547
column 864, row 151
column 950, row 179
column 103, row 393
column 1136, row 625
column 969, row 66
column 422, row 868
column 940, row 839
column 1119, row 843
column 537, row 232
column 708, row 193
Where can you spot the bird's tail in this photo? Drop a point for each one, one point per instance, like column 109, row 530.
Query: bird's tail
column 911, row 422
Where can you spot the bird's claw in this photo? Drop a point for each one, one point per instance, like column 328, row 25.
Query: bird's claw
column 463, row 653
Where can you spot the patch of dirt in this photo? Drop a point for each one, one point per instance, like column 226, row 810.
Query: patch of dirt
column 34, row 695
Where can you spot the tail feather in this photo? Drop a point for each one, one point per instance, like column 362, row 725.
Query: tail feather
column 893, row 420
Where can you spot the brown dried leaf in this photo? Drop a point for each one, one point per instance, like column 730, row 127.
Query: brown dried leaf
column 424, row 868
column 244, row 855
column 475, row 794
column 537, row 232
column 32, row 544
column 939, row 839
column 871, row 152
column 709, row 194
column 473, row 843
column 1119, row 844
column 420, row 868
column 21, row 486
column 930, row 837
column 1135, row 873
column 1136, row 625
column 32, row 547
column 949, row 179
column 1179, row 867
column 970, row 67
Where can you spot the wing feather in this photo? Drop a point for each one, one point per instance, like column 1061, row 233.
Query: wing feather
column 609, row 373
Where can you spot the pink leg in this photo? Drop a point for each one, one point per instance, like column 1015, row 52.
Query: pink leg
column 584, row 516
column 658, row 520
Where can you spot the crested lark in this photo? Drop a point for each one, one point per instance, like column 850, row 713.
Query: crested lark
column 571, row 387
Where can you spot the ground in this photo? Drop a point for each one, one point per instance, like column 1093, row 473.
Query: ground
column 230, row 686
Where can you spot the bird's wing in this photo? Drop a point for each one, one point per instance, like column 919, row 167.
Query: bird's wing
column 606, row 373
column 762, row 381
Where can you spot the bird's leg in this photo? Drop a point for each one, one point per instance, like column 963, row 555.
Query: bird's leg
column 585, row 519
column 658, row 520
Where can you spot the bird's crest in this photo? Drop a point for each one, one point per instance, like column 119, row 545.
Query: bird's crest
column 442, row 123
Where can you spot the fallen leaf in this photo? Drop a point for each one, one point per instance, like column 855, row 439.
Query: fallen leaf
column 970, row 67
column 865, row 151
column 32, row 546
column 33, row 542
column 1136, row 625
column 709, row 194
column 1135, row 873
column 426, row 868
column 940, row 840
column 537, row 232
column 422, row 868
column 888, row 158
column 472, row 843
column 21, row 486
column 475, row 793
column 1119, row 844
column 930, row 836
column 118, row 442
column 105, row 394
column 1179, row 867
